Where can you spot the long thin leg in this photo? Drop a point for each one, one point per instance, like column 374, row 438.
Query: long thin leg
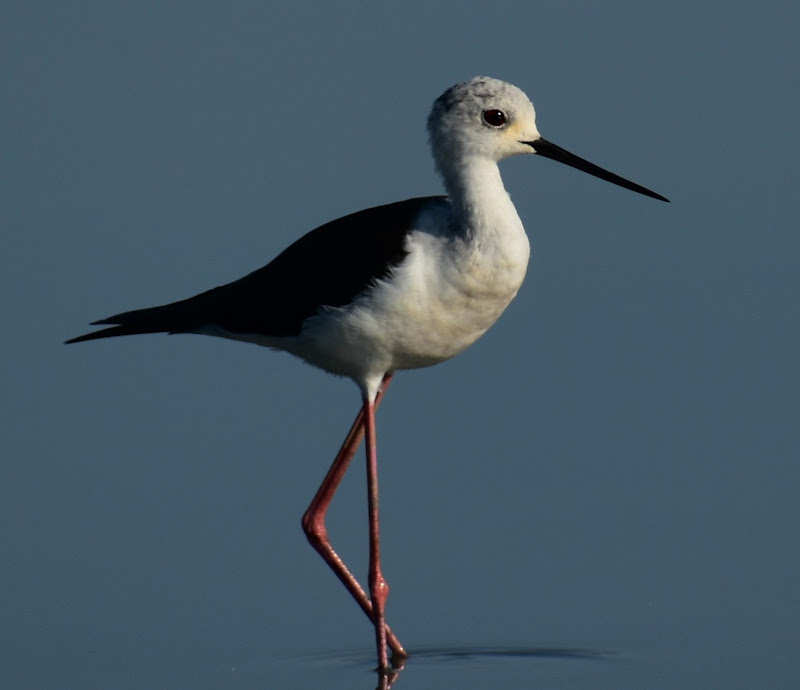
column 378, row 588
column 317, row 533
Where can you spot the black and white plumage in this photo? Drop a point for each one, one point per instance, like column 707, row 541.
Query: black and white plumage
column 394, row 287
column 326, row 268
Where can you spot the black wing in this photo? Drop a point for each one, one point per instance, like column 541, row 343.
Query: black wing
column 327, row 267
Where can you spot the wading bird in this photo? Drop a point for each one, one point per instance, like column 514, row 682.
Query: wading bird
column 400, row 286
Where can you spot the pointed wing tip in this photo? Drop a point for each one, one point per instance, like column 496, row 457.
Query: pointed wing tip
column 103, row 333
column 87, row 336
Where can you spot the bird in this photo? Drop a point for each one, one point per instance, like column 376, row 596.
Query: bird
column 400, row 286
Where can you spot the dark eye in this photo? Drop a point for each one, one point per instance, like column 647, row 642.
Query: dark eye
column 495, row 118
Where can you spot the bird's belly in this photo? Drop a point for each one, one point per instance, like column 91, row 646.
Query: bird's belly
column 416, row 319
column 425, row 329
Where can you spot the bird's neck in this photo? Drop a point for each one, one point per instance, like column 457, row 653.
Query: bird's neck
column 480, row 202
column 489, row 246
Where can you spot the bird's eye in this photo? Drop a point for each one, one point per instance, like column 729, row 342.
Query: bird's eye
column 495, row 118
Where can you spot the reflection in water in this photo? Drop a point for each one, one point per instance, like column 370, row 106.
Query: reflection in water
column 386, row 678
column 507, row 651
column 459, row 653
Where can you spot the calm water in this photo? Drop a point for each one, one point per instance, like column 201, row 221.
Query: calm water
column 602, row 493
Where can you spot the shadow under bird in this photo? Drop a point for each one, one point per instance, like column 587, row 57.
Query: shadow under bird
column 399, row 286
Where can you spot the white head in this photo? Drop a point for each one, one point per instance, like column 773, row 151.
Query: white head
column 482, row 117
column 488, row 119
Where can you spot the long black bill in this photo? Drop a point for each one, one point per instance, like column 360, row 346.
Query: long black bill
column 556, row 153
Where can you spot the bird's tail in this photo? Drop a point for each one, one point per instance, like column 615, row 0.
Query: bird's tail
column 177, row 317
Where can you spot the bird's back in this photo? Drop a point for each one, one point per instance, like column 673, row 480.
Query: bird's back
column 327, row 267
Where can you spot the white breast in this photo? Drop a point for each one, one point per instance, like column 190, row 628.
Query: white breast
column 445, row 295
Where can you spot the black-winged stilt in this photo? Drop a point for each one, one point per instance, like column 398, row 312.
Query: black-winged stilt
column 394, row 287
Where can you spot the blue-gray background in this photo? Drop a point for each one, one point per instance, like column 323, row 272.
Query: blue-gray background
column 612, row 469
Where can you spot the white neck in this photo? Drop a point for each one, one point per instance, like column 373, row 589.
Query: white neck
column 480, row 202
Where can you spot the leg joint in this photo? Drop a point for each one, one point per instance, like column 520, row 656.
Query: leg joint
column 314, row 527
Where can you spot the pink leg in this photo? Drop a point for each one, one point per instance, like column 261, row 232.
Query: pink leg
column 317, row 533
column 378, row 588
